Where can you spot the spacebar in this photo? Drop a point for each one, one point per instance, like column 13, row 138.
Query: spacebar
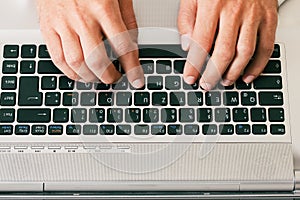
column 34, row 115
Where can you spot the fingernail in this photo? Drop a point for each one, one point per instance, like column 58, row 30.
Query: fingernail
column 185, row 42
column 227, row 82
column 81, row 81
column 190, row 80
column 138, row 83
column 249, row 79
column 206, row 86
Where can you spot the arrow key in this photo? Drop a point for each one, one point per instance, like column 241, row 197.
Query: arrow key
column 11, row 51
column 28, row 51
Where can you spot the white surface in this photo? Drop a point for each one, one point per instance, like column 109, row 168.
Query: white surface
column 19, row 14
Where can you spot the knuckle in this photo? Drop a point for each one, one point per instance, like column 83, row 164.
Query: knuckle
column 58, row 59
column 75, row 61
column 268, row 48
column 246, row 50
column 226, row 53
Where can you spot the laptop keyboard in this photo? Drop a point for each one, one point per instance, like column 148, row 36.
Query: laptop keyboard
column 37, row 99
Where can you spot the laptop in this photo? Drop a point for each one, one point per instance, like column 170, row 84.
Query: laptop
column 57, row 135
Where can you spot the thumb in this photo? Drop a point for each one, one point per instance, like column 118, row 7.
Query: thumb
column 186, row 21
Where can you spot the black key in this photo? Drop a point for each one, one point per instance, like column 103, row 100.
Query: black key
column 60, row 115
column 222, row 87
column 124, row 99
column 161, row 51
column 117, row 65
column 9, row 83
column 7, row 115
column 141, row 99
column 133, row 115
column 258, row 115
column 271, row 98
column 28, row 51
column 168, row 115
column 163, row 67
column 243, row 129
column 70, row 99
column 22, row 130
column 195, row 98
column 273, row 67
column 43, row 52
column 204, row 115
column 148, row 66
column 29, row 94
column 248, row 98
column 27, row 67
column 158, row 130
column 107, row 129
column 240, row 115
column 195, row 86
column 177, row 98
column 213, row 98
column 259, row 129
column 276, row 52
column 276, row 115
column 268, row 83
column 210, row 129
column 179, row 66
column 65, row 83
column 8, row 99
column 102, row 86
column 84, row 86
column 78, row 115
column 173, row 83
column 10, row 67
column 241, row 85
column 6, row 130
column 277, row 129
column 159, row 98
column 155, row 83
column 38, row 130
column 49, row 83
column 52, row 99
column 191, row 129
column 34, row 115
column 151, row 115
column 11, row 51
column 114, row 115
column 106, row 99
column 97, row 115
column 141, row 130
column 73, row 130
column 47, row 67
column 226, row 129
column 121, row 85
column 123, row 129
column 231, row 98
column 222, row 115
column 90, row 130
column 186, row 115
column 55, row 129
column 175, row 129
column 88, row 99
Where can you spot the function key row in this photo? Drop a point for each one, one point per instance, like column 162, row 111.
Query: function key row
column 27, row 51
column 175, row 129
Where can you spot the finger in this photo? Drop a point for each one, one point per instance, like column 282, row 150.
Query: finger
column 224, row 52
column 186, row 21
column 267, row 34
column 96, row 57
column 245, row 49
column 74, row 56
column 54, row 46
column 125, row 48
column 203, row 38
column 128, row 15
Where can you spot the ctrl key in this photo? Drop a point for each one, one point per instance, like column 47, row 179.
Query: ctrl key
column 22, row 130
column 6, row 130
column 277, row 129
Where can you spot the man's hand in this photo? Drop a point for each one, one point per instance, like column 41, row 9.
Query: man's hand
column 237, row 30
column 74, row 31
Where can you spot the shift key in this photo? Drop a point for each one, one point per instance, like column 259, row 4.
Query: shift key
column 34, row 115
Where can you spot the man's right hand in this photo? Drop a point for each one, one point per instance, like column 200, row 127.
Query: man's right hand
column 74, row 31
